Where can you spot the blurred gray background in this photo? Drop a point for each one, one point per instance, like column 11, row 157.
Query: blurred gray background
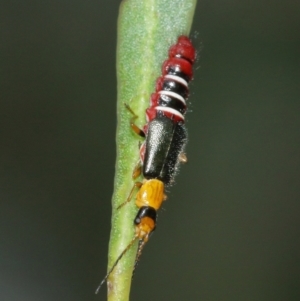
column 230, row 228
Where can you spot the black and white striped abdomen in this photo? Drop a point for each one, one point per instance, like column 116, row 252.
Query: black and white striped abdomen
column 173, row 95
column 172, row 89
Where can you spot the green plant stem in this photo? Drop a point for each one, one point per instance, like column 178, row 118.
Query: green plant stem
column 146, row 30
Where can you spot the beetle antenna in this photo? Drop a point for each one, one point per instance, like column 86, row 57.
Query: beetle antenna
column 138, row 254
column 116, row 262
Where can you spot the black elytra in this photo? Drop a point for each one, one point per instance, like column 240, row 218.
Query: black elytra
column 165, row 141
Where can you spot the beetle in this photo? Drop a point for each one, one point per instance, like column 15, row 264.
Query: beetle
column 165, row 138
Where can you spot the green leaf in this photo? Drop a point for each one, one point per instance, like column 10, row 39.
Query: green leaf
column 146, row 30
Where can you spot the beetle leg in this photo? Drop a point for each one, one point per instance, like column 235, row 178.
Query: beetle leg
column 134, row 127
column 136, row 185
column 137, row 170
column 182, row 158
